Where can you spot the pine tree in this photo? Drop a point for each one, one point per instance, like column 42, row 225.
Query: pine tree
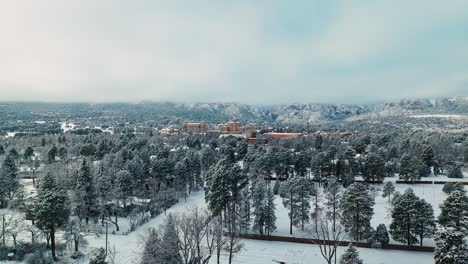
column 333, row 195
column 258, row 206
column 450, row 187
column 409, row 169
column 124, row 184
column 170, row 243
column 28, row 153
column 356, row 206
column 85, row 196
column 454, row 211
column 403, row 224
column 296, row 193
column 381, row 234
column 351, row 256
column 216, row 190
column 388, row 190
column 51, row 208
column 424, row 219
column 8, row 179
column 244, row 211
column 455, row 171
column 374, row 169
column 52, row 154
column 270, row 207
column 428, row 156
column 450, row 246
column 153, row 249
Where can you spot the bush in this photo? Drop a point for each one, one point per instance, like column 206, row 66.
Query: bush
column 40, row 257
column 449, row 187
column 21, row 250
column 455, row 172
column 381, row 235
column 76, row 255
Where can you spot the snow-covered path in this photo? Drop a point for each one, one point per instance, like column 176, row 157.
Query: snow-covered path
column 129, row 247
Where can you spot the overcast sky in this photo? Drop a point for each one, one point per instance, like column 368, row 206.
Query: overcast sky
column 250, row 51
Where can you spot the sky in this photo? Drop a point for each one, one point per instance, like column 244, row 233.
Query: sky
column 258, row 52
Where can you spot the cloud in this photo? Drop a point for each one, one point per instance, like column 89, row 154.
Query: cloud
column 247, row 51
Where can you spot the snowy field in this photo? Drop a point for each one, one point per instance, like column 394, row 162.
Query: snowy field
column 129, row 246
column 257, row 252
column 267, row 252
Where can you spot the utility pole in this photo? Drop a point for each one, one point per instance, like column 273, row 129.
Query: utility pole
column 3, row 229
column 106, row 236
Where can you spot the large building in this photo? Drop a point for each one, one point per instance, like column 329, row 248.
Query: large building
column 231, row 128
column 194, row 127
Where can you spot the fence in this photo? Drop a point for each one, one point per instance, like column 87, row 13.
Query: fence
column 332, row 242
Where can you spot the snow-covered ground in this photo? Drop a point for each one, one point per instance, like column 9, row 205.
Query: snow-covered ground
column 441, row 116
column 266, row 252
column 257, row 252
column 129, row 247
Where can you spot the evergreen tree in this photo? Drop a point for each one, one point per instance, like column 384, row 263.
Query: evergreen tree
column 374, row 169
column 333, row 195
column 28, row 153
column 356, row 206
column 455, row 171
column 409, row 169
column 424, row 219
column 244, row 211
column 8, row 179
column 351, row 256
column 454, row 211
column 296, row 193
column 153, row 249
column 381, row 234
column 388, row 190
column 170, row 243
column 403, row 224
column 450, row 187
column 428, row 156
column 85, row 196
column 124, row 186
column 52, row 154
column 450, row 246
column 51, row 208
column 270, row 207
column 258, row 206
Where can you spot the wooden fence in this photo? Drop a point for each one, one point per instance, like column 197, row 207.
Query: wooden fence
column 332, row 242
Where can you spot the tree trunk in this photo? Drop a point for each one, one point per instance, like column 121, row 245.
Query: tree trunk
column 52, row 243
column 76, row 245
column 291, row 214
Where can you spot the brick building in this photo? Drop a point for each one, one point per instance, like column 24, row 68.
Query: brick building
column 194, row 127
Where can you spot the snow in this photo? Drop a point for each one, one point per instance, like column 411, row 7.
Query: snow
column 266, row 252
column 441, row 116
column 67, row 126
column 257, row 252
column 10, row 134
column 129, row 247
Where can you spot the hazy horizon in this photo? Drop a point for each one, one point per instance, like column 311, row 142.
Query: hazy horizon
column 262, row 52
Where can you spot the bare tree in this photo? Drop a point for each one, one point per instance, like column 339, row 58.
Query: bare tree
column 13, row 225
column 328, row 234
column 76, row 232
column 35, row 232
column 192, row 229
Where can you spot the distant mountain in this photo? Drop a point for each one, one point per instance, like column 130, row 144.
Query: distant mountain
column 175, row 113
column 406, row 107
